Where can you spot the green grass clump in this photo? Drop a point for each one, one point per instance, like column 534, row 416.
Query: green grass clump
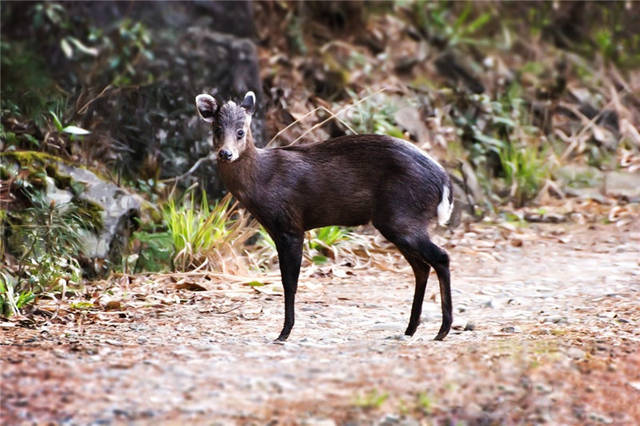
column 525, row 171
column 322, row 242
column 12, row 297
column 197, row 231
column 371, row 400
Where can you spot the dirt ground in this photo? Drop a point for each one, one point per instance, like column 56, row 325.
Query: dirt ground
column 545, row 331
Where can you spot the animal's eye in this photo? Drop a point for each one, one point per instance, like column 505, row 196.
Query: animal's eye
column 240, row 133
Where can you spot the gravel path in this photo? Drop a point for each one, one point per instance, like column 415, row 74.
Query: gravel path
column 545, row 330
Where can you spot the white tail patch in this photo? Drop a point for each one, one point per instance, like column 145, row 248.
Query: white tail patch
column 445, row 207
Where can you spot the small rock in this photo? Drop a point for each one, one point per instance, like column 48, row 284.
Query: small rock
column 470, row 326
column 458, row 323
column 314, row 421
column 488, row 304
column 60, row 354
column 389, row 420
column 113, row 305
column 122, row 412
column 575, row 353
column 516, row 242
column 511, row 329
column 623, row 184
column 635, row 385
column 543, row 388
column 557, row 319
column 600, row 418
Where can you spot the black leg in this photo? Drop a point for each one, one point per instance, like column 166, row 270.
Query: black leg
column 289, row 256
column 421, row 272
column 438, row 258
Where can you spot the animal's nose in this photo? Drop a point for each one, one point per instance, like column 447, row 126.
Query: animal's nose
column 224, row 155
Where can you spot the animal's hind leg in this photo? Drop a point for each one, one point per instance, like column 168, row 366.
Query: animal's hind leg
column 412, row 238
column 421, row 272
column 439, row 260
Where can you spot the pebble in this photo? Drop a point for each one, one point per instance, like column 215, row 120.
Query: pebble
column 316, row 421
column 575, row 353
column 557, row 319
column 543, row 388
column 600, row 418
column 511, row 329
column 469, row 326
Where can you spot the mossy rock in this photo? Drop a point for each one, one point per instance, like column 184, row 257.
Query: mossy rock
column 109, row 209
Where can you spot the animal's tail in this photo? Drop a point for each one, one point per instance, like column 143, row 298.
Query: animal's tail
column 446, row 204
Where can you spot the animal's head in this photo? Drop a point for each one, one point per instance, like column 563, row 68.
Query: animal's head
column 231, row 124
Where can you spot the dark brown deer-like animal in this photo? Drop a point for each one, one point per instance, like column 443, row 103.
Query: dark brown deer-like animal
column 350, row 180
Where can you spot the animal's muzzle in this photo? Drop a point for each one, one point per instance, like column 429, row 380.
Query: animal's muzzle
column 224, row 155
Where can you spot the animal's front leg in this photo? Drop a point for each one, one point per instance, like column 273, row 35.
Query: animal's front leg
column 289, row 248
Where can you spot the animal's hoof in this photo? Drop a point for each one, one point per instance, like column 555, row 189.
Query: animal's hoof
column 441, row 336
column 281, row 339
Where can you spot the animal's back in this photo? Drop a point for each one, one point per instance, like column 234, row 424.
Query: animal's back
column 359, row 177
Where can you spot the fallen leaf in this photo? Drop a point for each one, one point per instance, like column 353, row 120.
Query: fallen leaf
column 190, row 286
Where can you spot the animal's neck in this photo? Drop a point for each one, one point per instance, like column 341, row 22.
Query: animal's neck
column 240, row 176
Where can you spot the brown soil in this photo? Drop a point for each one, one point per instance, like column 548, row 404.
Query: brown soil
column 546, row 330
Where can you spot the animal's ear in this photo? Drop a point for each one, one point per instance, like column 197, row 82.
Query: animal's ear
column 206, row 106
column 249, row 102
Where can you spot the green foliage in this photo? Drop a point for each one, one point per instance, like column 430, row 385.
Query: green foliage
column 524, row 170
column 375, row 115
column 425, row 403
column 322, row 242
column 125, row 50
column 326, row 237
column 197, row 231
column 70, row 129
column 27, row 87
column 371, row 400
column 438, row 22
column 155, row 253
column 49, row 239
column 46, row 239
column 81, row 306
column 12, row 297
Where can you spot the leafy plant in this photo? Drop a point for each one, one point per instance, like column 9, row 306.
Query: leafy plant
column 322, row 242
column 69, row 129
column 437, row 21
column 155, row 251
column 12, row 298
column 125, row 50
column 425, row 403
column 198, row 232
column 524, row 171
column 50, row 236
column 27, row 87
column 46, row 240
column 375, row 115
column 370, row 400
